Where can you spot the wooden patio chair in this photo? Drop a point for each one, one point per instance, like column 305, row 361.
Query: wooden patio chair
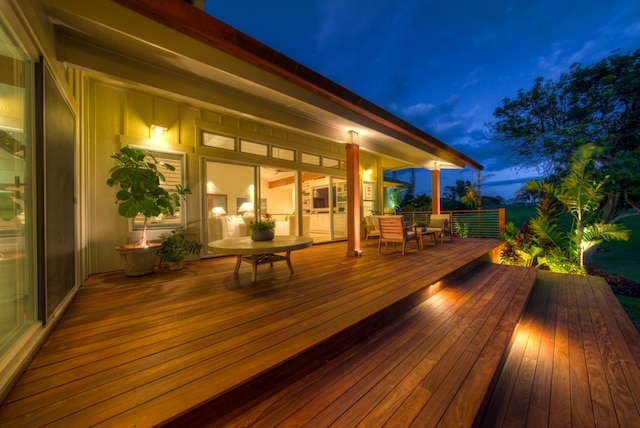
column 441, row 224
column 392, row 229
column 370, row 228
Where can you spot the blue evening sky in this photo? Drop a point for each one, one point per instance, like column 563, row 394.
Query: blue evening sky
column 442, row 66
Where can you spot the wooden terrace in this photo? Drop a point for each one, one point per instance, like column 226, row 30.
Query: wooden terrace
column 438, row 337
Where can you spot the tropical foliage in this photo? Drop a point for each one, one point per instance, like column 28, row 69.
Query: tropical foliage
column 138, row 177
column 175, row 247
column 545, row 241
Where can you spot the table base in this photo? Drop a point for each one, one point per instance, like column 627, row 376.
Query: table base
column 258, row 259
column 421, row 234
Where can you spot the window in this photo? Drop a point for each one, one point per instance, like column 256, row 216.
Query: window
column 285, row 154
column 253, row 148
column 331, row 163
column 172, row 178
column 218, row 141
column 310, row 159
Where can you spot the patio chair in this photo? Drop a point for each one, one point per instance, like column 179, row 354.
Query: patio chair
column 370, row 228
column 441, row 224
column 392, row 229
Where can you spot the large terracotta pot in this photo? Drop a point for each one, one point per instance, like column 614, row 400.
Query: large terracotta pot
column 138, row 261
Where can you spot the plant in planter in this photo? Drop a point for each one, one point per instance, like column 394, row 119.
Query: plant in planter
column 462, row 229
column 175, row 247
column 262, row 230
column 138, row 177
column 422, row 225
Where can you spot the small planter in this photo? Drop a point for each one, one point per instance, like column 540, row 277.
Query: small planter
column 265, row 235
column 172, row 266
column 175, row 247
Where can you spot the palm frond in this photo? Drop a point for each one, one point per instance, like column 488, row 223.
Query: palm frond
column 548, row 234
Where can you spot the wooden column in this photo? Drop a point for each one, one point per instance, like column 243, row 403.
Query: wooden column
column 435, row 191
column 353, row 198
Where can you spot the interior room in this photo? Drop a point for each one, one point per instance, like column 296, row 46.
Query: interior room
column 232, row 204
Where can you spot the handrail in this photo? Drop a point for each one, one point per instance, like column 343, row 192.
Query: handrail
column 480, row 223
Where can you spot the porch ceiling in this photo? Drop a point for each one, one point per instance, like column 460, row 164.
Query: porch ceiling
column 111, row 40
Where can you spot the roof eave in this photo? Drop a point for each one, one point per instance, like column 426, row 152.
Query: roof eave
column 195, row 23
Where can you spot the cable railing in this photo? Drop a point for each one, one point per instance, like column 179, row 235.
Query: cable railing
column 478, row 223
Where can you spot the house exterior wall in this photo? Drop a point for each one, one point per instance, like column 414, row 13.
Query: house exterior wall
column 116, row 115
column 33, row 43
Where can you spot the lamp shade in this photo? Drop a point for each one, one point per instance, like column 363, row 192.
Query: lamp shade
column 219, row 211
column 246, row 207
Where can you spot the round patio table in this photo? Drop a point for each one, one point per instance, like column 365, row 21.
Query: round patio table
column 259, row 252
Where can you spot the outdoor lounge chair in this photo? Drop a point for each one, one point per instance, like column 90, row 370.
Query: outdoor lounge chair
column 370, row 228
column 392, row 229
column 441, row 224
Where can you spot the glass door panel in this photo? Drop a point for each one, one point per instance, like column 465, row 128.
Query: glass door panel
column 278, row 198
column 18, row 295
column 324, row 200
column 230, row 195
column 340, row 209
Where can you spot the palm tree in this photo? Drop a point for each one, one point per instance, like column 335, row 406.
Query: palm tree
column 579, row 194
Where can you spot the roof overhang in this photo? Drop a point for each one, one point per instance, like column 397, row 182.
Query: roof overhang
column 179, row 49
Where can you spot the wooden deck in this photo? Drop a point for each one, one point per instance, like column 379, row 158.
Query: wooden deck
column 205, row 347
column 434, row 366
column 575, row 360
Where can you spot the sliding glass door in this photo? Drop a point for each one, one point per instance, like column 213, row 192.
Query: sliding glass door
column 18, row 296
column 324, row 203
column 230, row 199
column 235, row 194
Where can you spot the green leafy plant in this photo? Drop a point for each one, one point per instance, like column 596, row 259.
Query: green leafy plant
column 175, row 247
column 138, row 176
column 268, row 224
column 421, row 223
column 578, row 195
column 462, row 229
column 396, row 199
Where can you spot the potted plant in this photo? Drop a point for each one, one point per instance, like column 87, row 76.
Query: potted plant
column 262, row 230
column 138, row 177
column 422, row 225
column 462, row 229
column 175, row 247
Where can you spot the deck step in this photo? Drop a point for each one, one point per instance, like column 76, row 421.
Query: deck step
column 434, row 363
column 574, row 362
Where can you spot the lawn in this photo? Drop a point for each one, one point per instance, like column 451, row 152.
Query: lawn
column 518, row 214
column 619, row 257
column 622, row 257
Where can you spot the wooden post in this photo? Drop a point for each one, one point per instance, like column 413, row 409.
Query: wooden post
column 435, row 191
column 353, row 198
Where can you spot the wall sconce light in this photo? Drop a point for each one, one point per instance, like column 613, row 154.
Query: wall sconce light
column 157, row 131
column 368, row 171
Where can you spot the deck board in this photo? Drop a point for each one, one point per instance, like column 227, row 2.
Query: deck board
column 587, row 367
column 151, row 348
column 148, row 351
column 446, row 352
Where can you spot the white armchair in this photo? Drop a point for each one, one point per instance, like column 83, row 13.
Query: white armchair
column 223, row 227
